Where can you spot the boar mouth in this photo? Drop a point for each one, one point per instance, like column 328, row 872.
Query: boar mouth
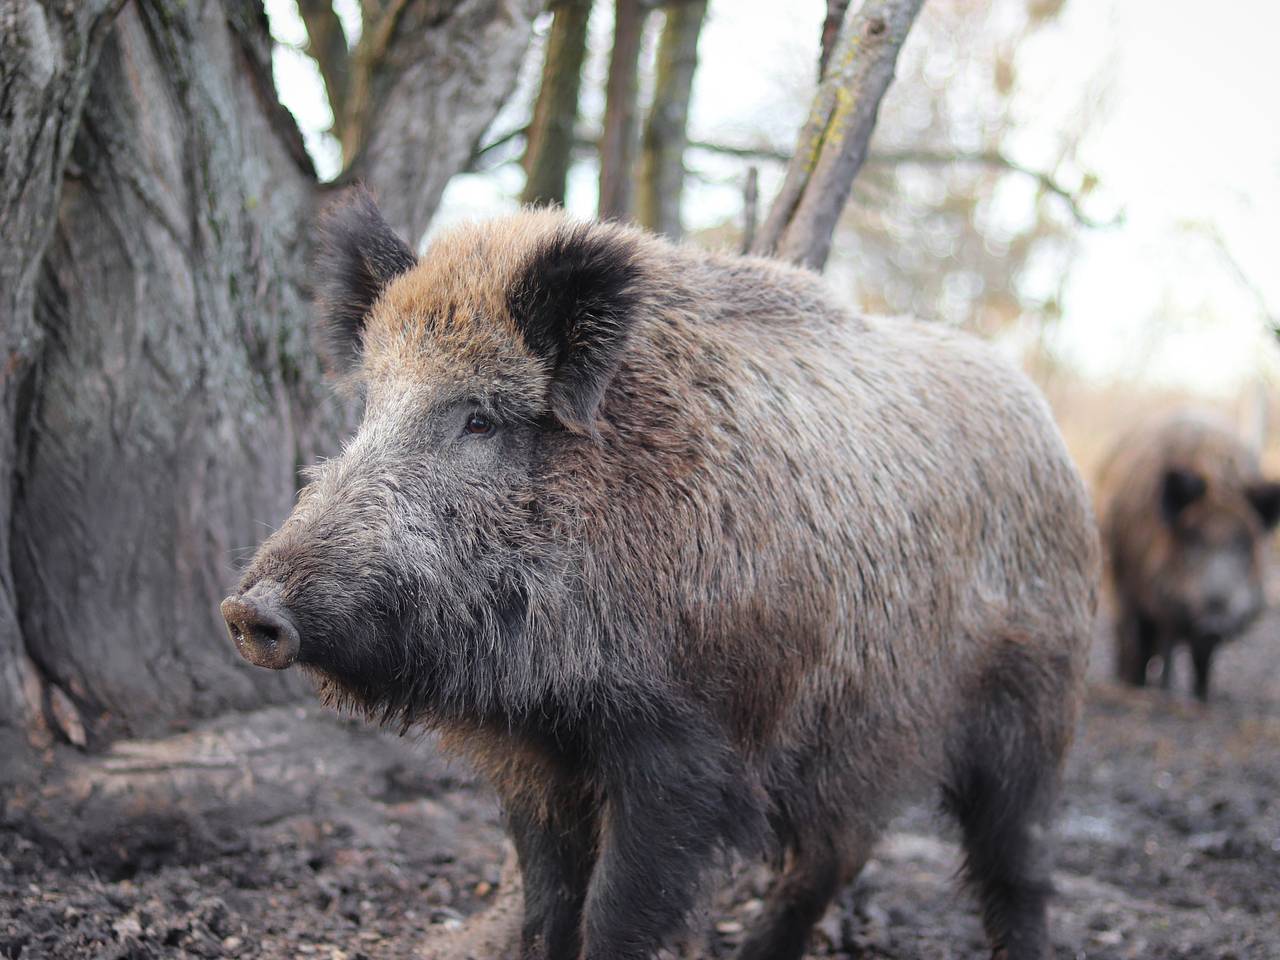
column 261, row 628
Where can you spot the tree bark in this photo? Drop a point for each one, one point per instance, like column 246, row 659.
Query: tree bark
column 618, row 139
column 666, row 130
column 159, row 385
column 836, row 10
column 549, row 138
column 427, row 82
column 833, row 142
column 46, row 58
column 172, row 400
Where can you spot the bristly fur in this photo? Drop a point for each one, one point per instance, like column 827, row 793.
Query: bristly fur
column 688, row 559
column 359, row 256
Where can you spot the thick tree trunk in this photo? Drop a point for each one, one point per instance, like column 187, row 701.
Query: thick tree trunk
column 46, row 58
column 665, row 133
column 620, row 136
column 170, row 404
column 549, row 144
column 833, row 142
column 159, row 385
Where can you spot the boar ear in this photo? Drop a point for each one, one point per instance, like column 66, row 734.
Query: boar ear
column 574, row 302
column 1265, row 497
column 359, row 255
column 1180, row 489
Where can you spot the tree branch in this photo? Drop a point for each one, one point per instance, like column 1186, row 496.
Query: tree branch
column 327, row 46
column 940, row 158
column 833, row 143
column 994, row 158
column 427, row 80
column 836, row 10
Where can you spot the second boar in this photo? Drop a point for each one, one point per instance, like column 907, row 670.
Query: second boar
column 1185, row 516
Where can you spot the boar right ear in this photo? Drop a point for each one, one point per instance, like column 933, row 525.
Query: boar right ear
column 573, row 303
column 359, row 255
column 1265, row 498
column 1180, row 489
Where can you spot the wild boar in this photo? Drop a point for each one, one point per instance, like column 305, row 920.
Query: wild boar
column 1185, row 516
column 690, row 561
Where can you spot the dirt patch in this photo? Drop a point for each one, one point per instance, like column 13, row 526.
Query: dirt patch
column 293, row 833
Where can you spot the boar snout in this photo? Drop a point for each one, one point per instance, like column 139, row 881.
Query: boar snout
column 260, row 626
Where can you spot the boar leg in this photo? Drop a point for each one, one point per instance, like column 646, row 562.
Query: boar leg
column 815, row 872
column 675, row 799
column 1002, row 785
column 556, row 849
column 1202, row 660
column 1167, row 646
column 1135, row 646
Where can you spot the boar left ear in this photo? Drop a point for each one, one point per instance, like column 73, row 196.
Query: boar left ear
column 359, row 255
column 1265, row 497
column 574, row 303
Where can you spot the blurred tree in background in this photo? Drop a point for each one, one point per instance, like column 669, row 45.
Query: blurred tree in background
column 958, row 216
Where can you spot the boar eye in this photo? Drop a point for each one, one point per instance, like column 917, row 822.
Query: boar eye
column 478, row 425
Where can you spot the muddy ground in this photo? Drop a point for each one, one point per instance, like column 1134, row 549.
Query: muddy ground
column 293, row 833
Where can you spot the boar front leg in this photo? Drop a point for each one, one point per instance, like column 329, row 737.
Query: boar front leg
column 554, row 833
column 674, row 799
column 1135, row 646
column 1202, row 660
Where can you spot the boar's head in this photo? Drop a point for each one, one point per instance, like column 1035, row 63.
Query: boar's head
column 432, row 567
column 1213, row 573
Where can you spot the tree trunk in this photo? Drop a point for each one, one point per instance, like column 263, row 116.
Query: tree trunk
column 549, row 144
column 428, row 81
column 160, row 388
column 665, row 132
column 618, row 139
column 46, row 58
column 833, row 142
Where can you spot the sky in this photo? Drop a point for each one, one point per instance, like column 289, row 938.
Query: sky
column 1184, row 138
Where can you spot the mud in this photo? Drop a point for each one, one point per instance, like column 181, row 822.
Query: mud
column 294, row 833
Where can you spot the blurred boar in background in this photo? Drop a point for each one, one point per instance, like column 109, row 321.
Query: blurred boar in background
column 1185, row 518
column 689, row 560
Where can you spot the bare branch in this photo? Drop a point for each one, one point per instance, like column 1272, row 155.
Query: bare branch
column 618, row 140
column 1211, row 232
column 993, row 158
column 327, row 46
column 836, row 10
column 549, row 136
column 833, row 143
column 661, row 179
column 941, row 158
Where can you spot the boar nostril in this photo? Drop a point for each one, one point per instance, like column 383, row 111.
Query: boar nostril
column 1215, row 606
column 261, row 628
